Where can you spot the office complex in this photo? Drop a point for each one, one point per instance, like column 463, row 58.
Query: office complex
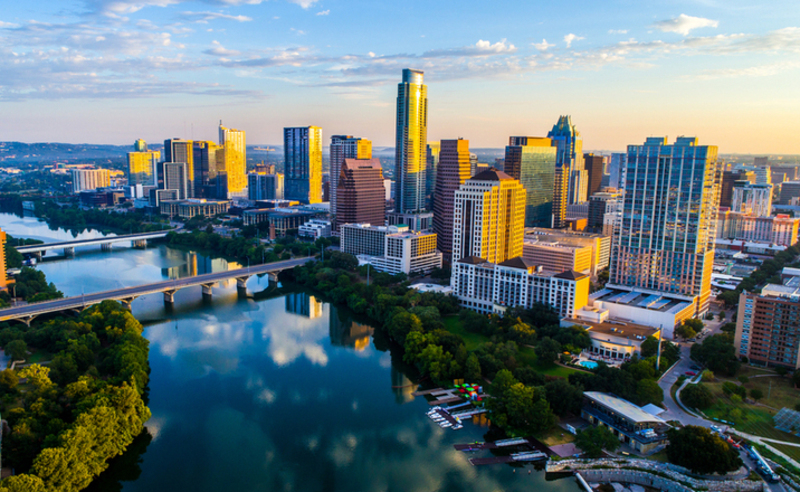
column 179, row 150
column 532, row 161
column 186, row 209
column 89, row 179
column 410, row 147
column 142, row 165
column 361, row 195
column 264, row 186
column 488, row 217
column 569, row 158
column 302, row 150
column 234, row 159
column 315, row 229
column 175, row 178
column 768, row 324
column 599, row 243
column 345, row 147
column 453, row 170
column 789, row 191
column 729, row 178
column 752, row 199
column 557, row 257
column 139, row 145
column 431, row 164
column 784, row 173
column 391, row 249
column 779, row 230
column 665, row 240
column 594, row 171
column 616, row 164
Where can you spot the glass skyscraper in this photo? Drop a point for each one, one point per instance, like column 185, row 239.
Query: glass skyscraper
column 570, row 158
column 412, row 138
column 235, row 158
column 532, row 162
column 302, row 150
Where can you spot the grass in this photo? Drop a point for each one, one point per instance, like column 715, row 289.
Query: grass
column 554, row 436
column 791, row 451
column 660, row 456
column 471, row 340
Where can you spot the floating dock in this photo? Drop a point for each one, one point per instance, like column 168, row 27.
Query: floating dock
column 514, row 458
column 442, row 401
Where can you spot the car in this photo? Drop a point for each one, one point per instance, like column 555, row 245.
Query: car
column 691, row 340
column 691, row 373
column 694, row 367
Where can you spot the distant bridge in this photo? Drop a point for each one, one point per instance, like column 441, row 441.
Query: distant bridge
column 139, row 240
column 127, row 295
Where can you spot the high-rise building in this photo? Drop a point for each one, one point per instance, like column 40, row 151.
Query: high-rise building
column 532, row 161
column 594, row 170
column 789, row 191
column 89, row 179
column 777, row 230
column 4, row 280
column 142, row 166
column 344, row 147
column 234, row 156
column 752, row 199
column 139, row 145
column 453, row 170
column 667, row 227
column 615, row 166
column 784, row 173
column 432, row 163
column 603, row 208
column 392, row 249
column 206, row 167
column 412, row 137
column 726, row 189
column 179, row 150
column 175, row 178
column 570, row 158
column 302, row 149
column 489, row 217
column 265, row 186
column 361, row 193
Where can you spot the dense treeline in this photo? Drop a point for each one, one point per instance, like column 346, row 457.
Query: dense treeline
column 32, row 286
column 524, row 400
column 84, row 408
column 14, row 258
column 77, row 220
column 769, row 271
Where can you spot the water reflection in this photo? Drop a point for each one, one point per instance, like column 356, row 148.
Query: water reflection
column 345, row 332
column 303, row 304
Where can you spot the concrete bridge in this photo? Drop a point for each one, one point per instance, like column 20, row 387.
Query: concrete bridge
column 127, row 295
column 139, row 241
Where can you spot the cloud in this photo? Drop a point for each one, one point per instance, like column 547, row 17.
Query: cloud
column 684, row 24
column 757, row 71
column 481, row 48
column 299, row 32
column 618, row 31
column 543, row 46
column 118, row 8
column 204, row 17
column 4, row 25
column 324, row 12
column 569, row 38
column 218, row 50
column 306, row 4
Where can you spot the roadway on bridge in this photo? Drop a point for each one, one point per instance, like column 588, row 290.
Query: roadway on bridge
column 140, row 290
column 33, row 248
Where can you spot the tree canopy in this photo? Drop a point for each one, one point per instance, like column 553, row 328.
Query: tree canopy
column 701, row 451
column 594, row 440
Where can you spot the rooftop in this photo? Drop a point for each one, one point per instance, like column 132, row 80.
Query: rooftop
column 617, row 328
column 491, row 174
column 623, row 407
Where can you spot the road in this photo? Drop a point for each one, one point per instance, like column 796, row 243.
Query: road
column 34, row 248
column 140, row 290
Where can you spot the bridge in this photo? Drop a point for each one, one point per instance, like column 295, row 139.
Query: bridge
column 139, row 241
column 127, row 295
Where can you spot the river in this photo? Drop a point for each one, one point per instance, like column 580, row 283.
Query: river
column 285, row 393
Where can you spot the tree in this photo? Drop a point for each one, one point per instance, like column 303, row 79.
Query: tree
column 685, row 330
column 781, row 371
column 17, row 349
column 702, row 452
column 721, row 315
column 594, row 440
column 728, row 328
column 22, row 483
column 519, row 409
column 697, row 396
column 8, row 380
column 796, row 378
column 401, row 324
column 38, row 375
column 648, row 391
column 472, row 368
column 756, row 394
column 718, row 354
column 547, row 350
column 343, row 261
column 563, row 397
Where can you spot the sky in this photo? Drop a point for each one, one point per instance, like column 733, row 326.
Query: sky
column 112, row 71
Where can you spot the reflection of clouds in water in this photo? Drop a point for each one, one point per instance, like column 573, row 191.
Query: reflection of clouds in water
column 343, row 450
column 267, row 396
column 291, row 336
column 156, row 426
column 385, row 361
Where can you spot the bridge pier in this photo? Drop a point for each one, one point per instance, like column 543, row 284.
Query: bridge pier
column 140, row 243
column 273, row 277
column 127, row 302
column 241, row 282
column 207, row 291
column 169, row 296
column 69, row 251
column 39, row 255
column 106, row 247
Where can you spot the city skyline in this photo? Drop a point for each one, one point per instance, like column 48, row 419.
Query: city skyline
column 175, row 68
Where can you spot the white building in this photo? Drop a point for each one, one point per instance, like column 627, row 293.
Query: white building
column 489, row 288
column 612, row 339
column 392, row 249
column 752, row 199
column 315, row 228
column 89, row 179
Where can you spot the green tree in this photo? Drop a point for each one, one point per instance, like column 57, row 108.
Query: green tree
column 686, row 330
column 702, row 452
column 23, row 483
column 718, row 354
column 594, row 440
column 472, row 368
column 547, row 350
column 401, row 324
column 8, row 381
column 563, row 397
column 17, row 349
column 728, row 328
column 37, row 375
column 648, row 391
column 697, row 396
column 756, row 394
column 520, row 409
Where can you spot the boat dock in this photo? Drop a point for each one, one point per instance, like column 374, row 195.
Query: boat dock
column 491, row 445
column 455, row 424
column 442, row 401
column 514, row 458
column 469, row 413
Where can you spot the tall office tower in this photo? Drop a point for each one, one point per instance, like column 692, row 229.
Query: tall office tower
column 790, row 190
column 176, row 178
column 89, row 179
column 616, row 166
column 603, row 207
column 453, row 170
column 235, row 158
column 344, row 147
column 431, row 164
column 264, row 186
column 594, row 170
column 726, row 189
column 142, row 166
column 489, row 217
column 570, row 155
column 179, row 150
column 668, row 223
column 4, row 280
column 752, row 199
column 302, row 151
column 361, row 193
column 205, row 167
column 139, row 145
column 410, row 148
column 532, row 161
column 473, row 164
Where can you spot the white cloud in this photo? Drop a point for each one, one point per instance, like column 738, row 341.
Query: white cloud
column 4, row 25
column 299, row 32
column 569, row 38
column 208, row 16
column 758, row 71
column 618, row 31
column 306, row 4
column 324, row 12
column 684, row 24
column 543, row 46
column 481, row 48
column 218, row 50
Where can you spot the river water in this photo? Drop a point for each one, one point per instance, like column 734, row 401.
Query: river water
column 284, row 393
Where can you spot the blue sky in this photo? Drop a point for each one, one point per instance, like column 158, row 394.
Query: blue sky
column 111, row 71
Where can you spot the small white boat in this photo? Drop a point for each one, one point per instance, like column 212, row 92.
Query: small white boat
column 445, row 424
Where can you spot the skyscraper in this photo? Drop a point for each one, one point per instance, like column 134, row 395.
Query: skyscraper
column 345, row 147
column 594, row 172
column 665, row 240
column 175, row 178
column 570, row 156
column 140, row 145
column 234, row 157
column 206, row 166
column 412, row 137
column 179, row 150
column 488, row 217
column 431, row 163
column 453, row 170
column 264, row 186
column 142, row 165
column 361, row 193
column 532, row 161
column 302, row 150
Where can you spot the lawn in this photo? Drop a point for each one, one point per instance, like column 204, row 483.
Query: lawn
column 791, row 451
column 471, row 340
column 554, row 436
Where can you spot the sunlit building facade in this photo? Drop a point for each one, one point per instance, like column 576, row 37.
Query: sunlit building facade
column 179, row 150
column 302, row 150
column 453, row 170
column 411, row 142
column 234, row 156
column 432, row 163
column 569, row 159
column 361, row 193
column 345, row 147
column 142, row 167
